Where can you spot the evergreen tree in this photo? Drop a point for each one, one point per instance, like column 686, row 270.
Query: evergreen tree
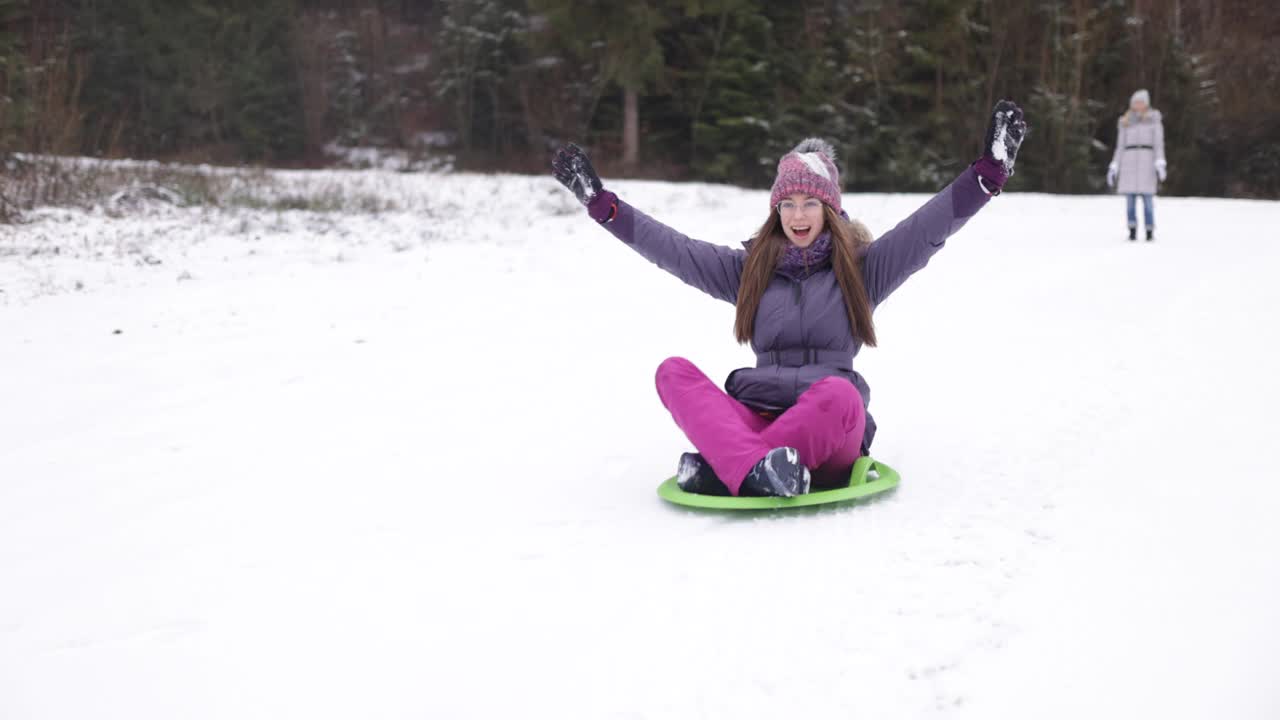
column 481, row 46
column 868, row 134
column 726, row 90
column 625, row 39
column 12, row 69
column 175, row 77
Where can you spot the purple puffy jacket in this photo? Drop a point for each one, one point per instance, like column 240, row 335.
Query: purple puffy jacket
column 801, row 332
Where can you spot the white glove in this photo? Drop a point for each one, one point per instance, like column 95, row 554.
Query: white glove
column 1160, row 172
column 1112, row 171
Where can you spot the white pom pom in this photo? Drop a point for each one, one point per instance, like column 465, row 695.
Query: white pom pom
column 819, row 145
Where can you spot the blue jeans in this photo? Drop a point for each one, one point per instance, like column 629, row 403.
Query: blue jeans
column 1148, row 209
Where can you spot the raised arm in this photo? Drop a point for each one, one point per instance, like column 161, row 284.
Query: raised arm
column 713, row 269
column 899, row 253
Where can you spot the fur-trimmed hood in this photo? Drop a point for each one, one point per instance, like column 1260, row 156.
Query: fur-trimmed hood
column 1150, row 115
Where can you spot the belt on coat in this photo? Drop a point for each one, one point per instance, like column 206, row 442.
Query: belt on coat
column 1139, row 147
column 797, row 357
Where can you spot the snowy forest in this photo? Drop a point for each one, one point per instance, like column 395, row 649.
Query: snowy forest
column 710, row 90
column 323, row 396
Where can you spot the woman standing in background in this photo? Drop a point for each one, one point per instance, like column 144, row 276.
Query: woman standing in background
column 1138, row 165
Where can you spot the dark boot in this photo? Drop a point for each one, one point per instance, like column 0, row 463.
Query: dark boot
column 694, row 475
column 1133, row 232
column 1151, row 234
column 779, row 473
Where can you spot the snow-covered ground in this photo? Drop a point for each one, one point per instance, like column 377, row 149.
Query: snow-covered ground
column 401, row 464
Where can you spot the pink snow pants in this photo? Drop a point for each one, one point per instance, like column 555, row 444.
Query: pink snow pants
column 825, row 425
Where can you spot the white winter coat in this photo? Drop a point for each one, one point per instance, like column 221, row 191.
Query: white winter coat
column 1139, row 148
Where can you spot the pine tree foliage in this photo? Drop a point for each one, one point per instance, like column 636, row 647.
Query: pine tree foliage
column 479, row 45
column 209, row 78
column 717, row 89
column 13, row 96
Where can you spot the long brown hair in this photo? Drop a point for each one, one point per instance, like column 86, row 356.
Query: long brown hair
column 848, row 238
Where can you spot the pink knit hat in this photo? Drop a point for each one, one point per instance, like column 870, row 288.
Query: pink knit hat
column 809, row 169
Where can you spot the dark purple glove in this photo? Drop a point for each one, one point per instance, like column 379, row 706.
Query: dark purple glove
column 1000, row 146
column 573, row 169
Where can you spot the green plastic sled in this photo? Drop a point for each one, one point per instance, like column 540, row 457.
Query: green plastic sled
column 868, row 478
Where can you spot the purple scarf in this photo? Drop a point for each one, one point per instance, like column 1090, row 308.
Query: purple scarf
column 798, row 263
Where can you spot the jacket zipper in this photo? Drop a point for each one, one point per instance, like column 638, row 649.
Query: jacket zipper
column 795, row 375
column 804, row 254
column 799, row 293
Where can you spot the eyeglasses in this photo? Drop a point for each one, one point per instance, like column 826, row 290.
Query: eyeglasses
column 790, row 207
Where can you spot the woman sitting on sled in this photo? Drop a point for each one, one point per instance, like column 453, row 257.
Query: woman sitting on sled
column 805, row 287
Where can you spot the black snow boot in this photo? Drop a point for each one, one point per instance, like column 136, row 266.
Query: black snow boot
column 696, row 476
column 1133, row 232
column 779, row 473
column 1151, row 234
